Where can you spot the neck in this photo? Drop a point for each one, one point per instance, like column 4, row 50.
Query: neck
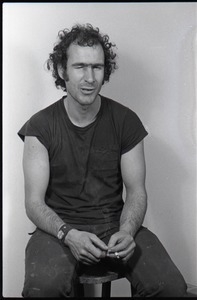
column 82, row 115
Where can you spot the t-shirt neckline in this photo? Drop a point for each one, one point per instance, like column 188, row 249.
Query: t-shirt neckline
column 87, row 126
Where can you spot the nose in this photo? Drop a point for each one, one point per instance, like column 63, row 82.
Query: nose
column 89, row 75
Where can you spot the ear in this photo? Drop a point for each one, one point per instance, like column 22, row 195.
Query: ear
column 60, row 71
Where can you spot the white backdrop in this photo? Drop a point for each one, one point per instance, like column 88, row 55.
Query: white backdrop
column 156, row 44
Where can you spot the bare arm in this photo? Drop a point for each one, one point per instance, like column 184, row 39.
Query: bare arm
column 134, row 209
column 36, row 175
column 133, row 174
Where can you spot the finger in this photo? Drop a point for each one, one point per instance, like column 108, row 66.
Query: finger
column 99, row 243
column 89, row 258
column 112, row 242
column 119, row 246
column 122, row 256
column 126, row 258
column 123, row 243
column 126, row 252
column 126, row 244
column 95, row 257
column 87, row 262
column 122, row 252
column 96, row 252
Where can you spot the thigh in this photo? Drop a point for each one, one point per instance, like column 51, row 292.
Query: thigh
column 50, row 267
column 152, row 271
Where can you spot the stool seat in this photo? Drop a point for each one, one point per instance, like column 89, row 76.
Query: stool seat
column 97, row 276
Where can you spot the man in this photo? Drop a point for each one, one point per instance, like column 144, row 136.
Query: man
column 78, row 153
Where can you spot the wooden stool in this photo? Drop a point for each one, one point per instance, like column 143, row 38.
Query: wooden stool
column 94, row 276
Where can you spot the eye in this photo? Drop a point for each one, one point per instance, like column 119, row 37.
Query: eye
column 78, row 67
column 98, row 67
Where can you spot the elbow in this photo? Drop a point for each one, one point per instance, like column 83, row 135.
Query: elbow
column 138, row 193
column 144, row 197
column 28, row 210
column 142, row 200
column 31, row 209
column 139, row 198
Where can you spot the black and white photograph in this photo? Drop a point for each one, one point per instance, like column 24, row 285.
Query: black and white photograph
column 99, row 176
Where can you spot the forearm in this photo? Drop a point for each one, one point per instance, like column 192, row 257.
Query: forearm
column 134, row 211
column 44, row 217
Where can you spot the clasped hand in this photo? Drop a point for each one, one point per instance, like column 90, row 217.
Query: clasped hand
column 122, row 243
column 89, row 249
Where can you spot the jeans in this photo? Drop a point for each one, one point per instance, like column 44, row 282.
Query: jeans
column 51, row 270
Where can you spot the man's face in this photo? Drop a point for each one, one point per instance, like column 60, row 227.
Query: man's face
column 85, row 73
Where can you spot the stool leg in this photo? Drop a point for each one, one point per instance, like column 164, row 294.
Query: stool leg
column 106, row 289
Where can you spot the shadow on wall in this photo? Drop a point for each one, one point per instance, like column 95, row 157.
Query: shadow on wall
column 188, row 89
column 167, row 178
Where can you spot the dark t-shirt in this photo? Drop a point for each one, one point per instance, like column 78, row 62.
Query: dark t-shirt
column 85, row 183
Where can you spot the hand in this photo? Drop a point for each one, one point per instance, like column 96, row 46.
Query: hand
column 122, row 243
column 86, row 247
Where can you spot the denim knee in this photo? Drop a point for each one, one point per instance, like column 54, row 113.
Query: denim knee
column 53, row 287
column 167, row 288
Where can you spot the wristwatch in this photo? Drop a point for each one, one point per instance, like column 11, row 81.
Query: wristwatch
column 62, row 232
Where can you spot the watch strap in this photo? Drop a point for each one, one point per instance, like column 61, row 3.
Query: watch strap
column 62, row 232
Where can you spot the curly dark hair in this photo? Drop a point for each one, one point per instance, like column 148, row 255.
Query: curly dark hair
column 82, row 35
